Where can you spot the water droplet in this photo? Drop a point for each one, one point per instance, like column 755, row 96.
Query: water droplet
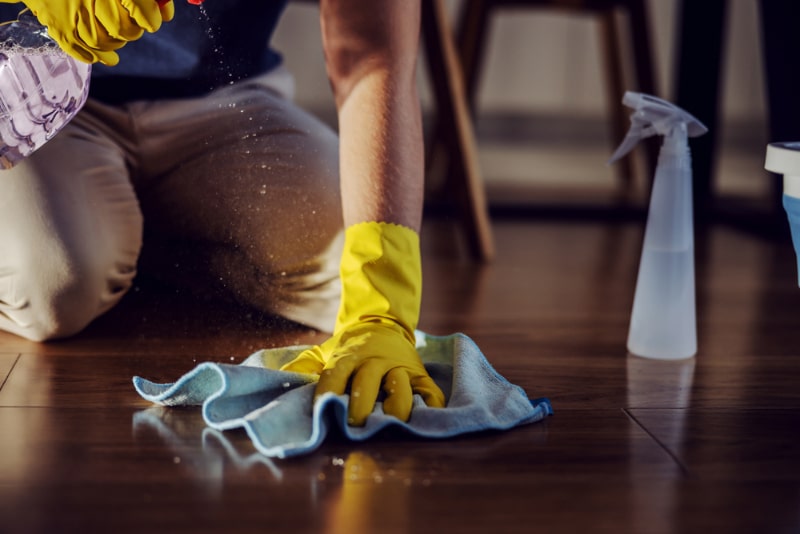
column 287, row 385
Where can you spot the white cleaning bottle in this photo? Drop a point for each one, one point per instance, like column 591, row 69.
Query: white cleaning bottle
column 663, row 321
column 41, row 88
column 784, row 158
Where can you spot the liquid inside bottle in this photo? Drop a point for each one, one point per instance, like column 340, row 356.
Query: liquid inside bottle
column 41, row 88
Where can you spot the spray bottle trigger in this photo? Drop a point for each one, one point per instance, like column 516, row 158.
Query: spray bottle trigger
column 639, row 130
column 628, row 144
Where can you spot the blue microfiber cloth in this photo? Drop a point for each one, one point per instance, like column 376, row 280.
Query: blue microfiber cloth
column 276, row 407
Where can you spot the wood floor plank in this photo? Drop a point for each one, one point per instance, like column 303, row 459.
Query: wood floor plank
column 745, row 445
column 153, row 320
column 571, row 289
column 168, row 470
column 705, row 445
column 7, row 361
column 10, row 343
column 766, row 381
column 92, row 380
column 553, row 312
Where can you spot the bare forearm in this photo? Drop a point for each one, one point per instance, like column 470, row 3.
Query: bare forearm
column 371, row 61
column 381, row 154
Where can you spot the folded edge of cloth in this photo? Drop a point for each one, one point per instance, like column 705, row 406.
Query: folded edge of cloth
column 276, row 408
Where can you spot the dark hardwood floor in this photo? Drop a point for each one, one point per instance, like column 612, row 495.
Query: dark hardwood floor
column 706, row 445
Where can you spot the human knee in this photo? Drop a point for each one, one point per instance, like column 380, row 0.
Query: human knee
column 62, row 295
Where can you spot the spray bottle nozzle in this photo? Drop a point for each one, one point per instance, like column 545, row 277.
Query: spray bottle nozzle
column 654, row 116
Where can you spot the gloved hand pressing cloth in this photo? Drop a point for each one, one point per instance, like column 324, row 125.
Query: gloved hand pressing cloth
column 372, row 347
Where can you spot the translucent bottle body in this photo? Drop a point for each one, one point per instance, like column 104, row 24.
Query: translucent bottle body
column 663, row 320
column 41, row 88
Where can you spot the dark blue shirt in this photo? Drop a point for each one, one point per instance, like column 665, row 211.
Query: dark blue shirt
column 201, row 49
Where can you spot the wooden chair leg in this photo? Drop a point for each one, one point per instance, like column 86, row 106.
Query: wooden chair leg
column 644, row 71
column 639, row 23
column 471, row 35
column 615, row 87
column 457, row 127
column 470, row 32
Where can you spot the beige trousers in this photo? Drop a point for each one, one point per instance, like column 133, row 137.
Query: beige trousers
column 235, row 193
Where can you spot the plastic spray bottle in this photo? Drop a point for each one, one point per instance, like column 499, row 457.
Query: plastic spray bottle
column 41, row 88
column 784, row 158
column 663, row 321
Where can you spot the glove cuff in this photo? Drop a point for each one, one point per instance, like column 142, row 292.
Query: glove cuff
column 381, row 276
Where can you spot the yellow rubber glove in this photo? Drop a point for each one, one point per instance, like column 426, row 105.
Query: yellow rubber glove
column 91, row 30
column 373, row 346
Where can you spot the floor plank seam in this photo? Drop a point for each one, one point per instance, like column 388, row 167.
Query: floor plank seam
column 680, row 464
column 10, row 370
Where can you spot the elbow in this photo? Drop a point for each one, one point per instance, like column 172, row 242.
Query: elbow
column 346, row 67
column 381, row 42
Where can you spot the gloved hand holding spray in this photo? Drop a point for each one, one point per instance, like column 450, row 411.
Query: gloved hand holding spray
column 45, row 63
column 663, row 320
column 41, row 88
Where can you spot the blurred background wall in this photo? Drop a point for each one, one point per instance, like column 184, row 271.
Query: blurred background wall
column 543, row 68
column 539, row 62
